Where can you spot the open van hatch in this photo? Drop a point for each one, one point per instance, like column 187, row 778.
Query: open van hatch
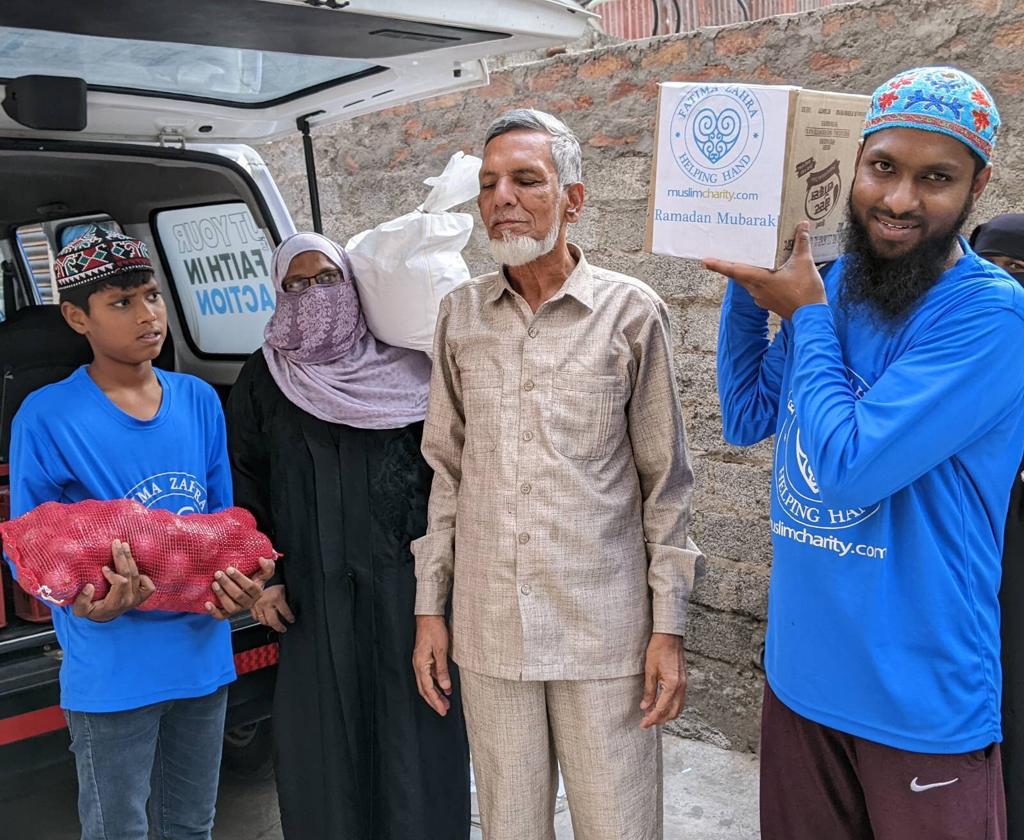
column 247, row 70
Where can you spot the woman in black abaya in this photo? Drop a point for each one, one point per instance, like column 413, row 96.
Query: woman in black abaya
column 324, row 430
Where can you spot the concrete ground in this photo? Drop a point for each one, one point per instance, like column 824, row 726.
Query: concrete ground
column 710, row 794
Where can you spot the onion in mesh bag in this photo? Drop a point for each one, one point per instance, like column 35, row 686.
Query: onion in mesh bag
column 58, row 548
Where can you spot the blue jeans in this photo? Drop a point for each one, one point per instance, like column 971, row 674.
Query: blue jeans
column 167, row 754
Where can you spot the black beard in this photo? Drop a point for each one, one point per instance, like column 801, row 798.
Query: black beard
column 890, row 289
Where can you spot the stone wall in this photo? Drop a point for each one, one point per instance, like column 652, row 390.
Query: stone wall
column 371, row 170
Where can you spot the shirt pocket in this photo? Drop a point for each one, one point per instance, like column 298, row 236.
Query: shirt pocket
column 586, row 419
column 481, row 405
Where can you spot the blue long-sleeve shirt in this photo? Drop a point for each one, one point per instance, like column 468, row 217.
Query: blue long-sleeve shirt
column 70, row 443
column 894, row 456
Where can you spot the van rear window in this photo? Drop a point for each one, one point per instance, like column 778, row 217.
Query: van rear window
column 218, row 260
column 220, row 74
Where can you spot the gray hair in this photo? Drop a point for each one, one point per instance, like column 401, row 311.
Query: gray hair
column 565, row 148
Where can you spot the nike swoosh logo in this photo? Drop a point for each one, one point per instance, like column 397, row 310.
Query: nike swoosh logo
column 914, row 786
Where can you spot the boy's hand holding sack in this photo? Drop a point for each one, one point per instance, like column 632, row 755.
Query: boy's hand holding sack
column 162, row 561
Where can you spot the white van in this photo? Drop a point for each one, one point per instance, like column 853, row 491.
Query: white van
column 135, row 114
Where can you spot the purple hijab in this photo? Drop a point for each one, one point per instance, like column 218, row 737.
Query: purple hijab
column 326, row 361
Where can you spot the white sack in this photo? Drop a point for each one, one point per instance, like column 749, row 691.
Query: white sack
column 404, row 267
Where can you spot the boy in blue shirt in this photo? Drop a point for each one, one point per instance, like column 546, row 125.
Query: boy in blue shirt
column 144, row 693
column 896, row 399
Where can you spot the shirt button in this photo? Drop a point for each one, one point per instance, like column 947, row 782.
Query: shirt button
column 524, row 538
column 525, row 488
column 527, row 436
column 525, row 589
column 533, row 332
column 528, row 385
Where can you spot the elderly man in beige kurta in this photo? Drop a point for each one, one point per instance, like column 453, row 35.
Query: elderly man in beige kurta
column 558, row 514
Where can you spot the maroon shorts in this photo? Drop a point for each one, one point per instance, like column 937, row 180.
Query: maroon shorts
column 821, row 784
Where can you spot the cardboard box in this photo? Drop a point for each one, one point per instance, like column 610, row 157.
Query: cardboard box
column 736, row 167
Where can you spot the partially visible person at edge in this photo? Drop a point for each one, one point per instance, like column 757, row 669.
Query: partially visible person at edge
column 1001, row 241
column 899, row 426
column 144, row 693
column 324, row 429
column 559, row 511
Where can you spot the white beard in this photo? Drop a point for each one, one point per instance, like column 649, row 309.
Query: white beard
column 513, row 250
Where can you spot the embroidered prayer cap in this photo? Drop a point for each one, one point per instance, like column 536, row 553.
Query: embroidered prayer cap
column 941, row 99
column 99, row 255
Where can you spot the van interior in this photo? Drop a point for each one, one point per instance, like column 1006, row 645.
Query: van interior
column 51, row 194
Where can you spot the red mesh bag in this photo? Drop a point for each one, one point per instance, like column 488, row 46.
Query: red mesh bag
column 57, row 549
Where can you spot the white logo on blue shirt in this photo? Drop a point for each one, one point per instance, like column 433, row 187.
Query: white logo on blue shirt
column 179, row 492
column 796, row 488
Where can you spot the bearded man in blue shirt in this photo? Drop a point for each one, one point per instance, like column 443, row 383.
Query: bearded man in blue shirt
column 898, row 418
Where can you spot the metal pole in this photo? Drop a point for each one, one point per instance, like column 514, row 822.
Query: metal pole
column 302, row 123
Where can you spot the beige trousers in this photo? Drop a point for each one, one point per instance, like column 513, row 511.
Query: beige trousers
column 521, row 732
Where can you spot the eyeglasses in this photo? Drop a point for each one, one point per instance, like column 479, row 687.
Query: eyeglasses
column 329, row 277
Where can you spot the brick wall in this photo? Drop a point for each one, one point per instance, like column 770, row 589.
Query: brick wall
column 372, row 168
column 633, row 19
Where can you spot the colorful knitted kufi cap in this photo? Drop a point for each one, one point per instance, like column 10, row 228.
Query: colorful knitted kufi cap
column 941, row 99
column 99, row 255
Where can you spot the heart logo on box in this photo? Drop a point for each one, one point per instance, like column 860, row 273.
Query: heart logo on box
column 716, row 132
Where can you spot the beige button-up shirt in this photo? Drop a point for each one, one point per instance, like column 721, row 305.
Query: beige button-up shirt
column 561, row 494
